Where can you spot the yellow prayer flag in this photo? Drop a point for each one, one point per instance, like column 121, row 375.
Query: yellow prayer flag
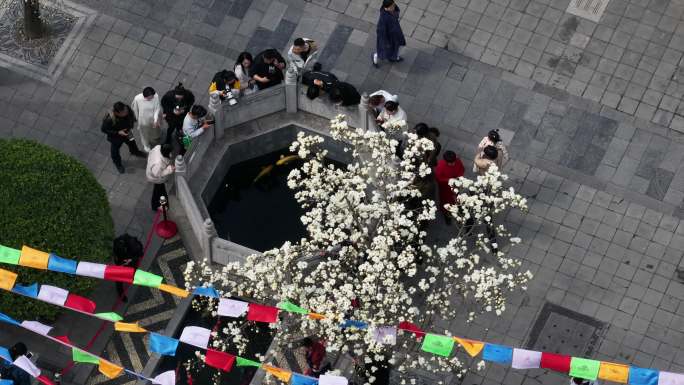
column 316, row 316
column 177, row 291
column 128, row 327
column 472, row 347
column 33, row 258
column 109, row 369
column 281, row 374
column 7, row 279
column 613, row 372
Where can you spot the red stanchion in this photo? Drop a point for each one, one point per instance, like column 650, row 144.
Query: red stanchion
column 166, row 228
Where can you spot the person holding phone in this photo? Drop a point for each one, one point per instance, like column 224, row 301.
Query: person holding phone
column 194, row 125
column 117, row 125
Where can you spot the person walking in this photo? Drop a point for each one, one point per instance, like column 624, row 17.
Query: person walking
column 117, row 125
column 494, row 139
column 175, row 104
column 127, row 251
column 389, row 34
column 483, row 160
column 147, row 107
column 159, row 168
column 449, row 167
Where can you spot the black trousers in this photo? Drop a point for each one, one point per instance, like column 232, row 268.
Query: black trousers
column 158, row 191
column 116, row 147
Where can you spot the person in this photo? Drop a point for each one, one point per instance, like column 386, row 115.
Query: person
column 318, row 80
column 485, row 159
column 494, row 139
column 159, row 168
column 393, row 120
column 241, row 69
column 430, row 133
column 192, row 125
column 581, row 381
column 223, row 82
column 449, row 167
column 300, row 51
column 377, row 100
column 314, row 352
column 147, row 107
column 175, row 104
column 127, row 250
column 9, row 371
column 117, row 125
column 267, row 69
column 389, row 34
column 344, row 94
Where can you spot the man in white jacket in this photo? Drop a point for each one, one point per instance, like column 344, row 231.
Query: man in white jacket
column 300, row 53
column 147, row 108
column 159, row 168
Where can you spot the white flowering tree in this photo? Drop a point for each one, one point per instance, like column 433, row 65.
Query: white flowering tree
column 366, row 255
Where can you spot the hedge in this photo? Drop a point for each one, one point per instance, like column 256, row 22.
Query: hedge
column 51, row 202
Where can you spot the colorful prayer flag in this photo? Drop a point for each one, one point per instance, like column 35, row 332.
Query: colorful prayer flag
column 129, row 327
column 109, row 316
column 206, row 292
column 316, row 316
column 196, row 336
column 119, row 273
column 177, row 291
column 667, row 378
column 497, row 353
column 9, row 255
column 64, row 339
column 61, row 265
column 30, row 290
column 36, row 327
column 45, row 380
column 557, row 362
column 262, row 313
column 78, row 355
column 33, row 258
column 584, row 368
column 245, row 362
column 292, row 308
column 352, row 323
column 298, row 379
column 77, row 302
column 52, row 294
column 219, row 360
column 614, row 372
column 23, row 362
column 6, row 382
column 473, row 348
column 413, row 328
column 7, row 319
column 109, row 369
column 7, row 279
column 326, row 379
column 163, row 345
column 89, row 269
column 144, row 278
column 642, row 376
column 166, row 378
column 281, row 374
column 526, row 359
column 386, row 335
column 231, row 307
column 436, row 344
column 5, row 354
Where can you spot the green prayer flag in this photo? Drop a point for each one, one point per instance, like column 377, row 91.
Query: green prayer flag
column 144, row 278
column 440, row 345
column 110, row 316
column 78, row 355
column 584, row 368
column 9, row 255
column 292, row 308
column 245, row 362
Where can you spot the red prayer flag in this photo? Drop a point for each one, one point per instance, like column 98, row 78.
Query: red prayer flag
column 557, row 362
column 219, row 360
column 64, row 339
column 119, row 273
column 413, row 328
column 80, row 303
column 45, row 380
column 262, row 313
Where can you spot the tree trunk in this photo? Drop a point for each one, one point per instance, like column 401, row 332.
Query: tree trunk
column 32, row 23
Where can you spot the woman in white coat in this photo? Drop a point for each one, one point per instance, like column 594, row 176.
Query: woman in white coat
column 147, row 108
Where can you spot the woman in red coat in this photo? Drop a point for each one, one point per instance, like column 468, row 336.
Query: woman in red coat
column 449, row 167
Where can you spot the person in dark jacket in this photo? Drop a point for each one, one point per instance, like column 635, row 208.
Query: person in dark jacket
column 318, row 80
column 128, row 250
column 389, row 34
column 8, row 371
column 117, row 124
column 175, row 104
column 267, row 69
column 344, row 94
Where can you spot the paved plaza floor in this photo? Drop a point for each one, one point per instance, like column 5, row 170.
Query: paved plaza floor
column 592, row 112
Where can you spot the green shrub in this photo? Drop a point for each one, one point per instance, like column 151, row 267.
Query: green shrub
column 51, row 202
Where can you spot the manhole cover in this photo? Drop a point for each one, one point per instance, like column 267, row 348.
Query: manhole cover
column 588, row 9
column 560, row 330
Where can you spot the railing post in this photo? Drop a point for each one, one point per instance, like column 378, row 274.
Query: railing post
column 181, row 169
column 291, row 89
column 363, row 111
column 216, row 108
column 207, row 238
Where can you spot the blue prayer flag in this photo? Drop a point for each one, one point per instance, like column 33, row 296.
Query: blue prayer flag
column 5, row 354
column 163, row 345
column 31, row 290
column 206, row 291
column 6, row 382
column 62, row 265
column 641, row 376
column 5, row 318
column 298, row 379
column 351, row 323
column 497, row 353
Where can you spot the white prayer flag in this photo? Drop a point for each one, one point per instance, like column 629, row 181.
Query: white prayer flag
column 196, row 336
column 386, row 335
column 24, row 363
column 325, row 379
column 166, row 378
column 526, row 359
column 232, row 308
column 89, row 269
column 53, row 294
column 667, row 378
column 37, row 327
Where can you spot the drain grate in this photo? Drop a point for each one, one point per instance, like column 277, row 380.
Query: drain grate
column 588, row 9
column 561, row 330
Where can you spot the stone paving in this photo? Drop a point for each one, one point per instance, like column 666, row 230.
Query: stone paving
column 605, row 182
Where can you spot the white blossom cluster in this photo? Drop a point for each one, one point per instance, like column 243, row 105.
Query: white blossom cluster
column 365, row 256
